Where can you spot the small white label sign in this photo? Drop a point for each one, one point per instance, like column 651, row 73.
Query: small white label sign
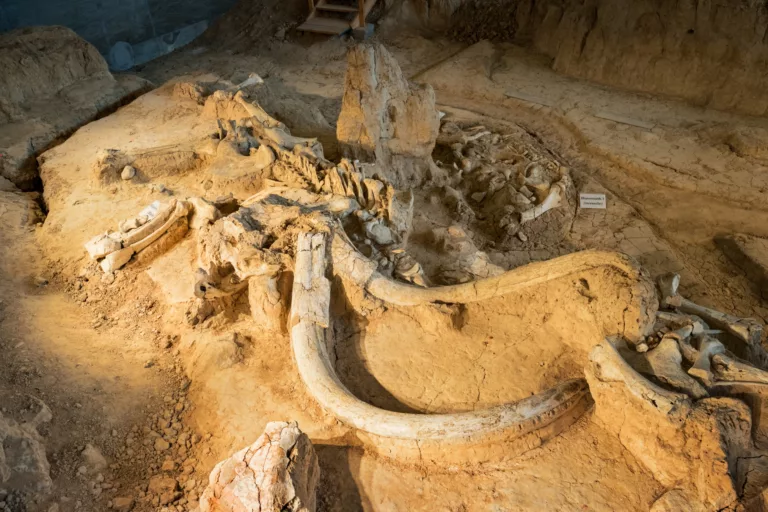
column 594, row 201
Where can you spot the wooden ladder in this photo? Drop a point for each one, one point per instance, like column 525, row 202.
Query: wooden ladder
column 334, row 19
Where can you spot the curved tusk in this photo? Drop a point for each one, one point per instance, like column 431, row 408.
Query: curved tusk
column 309, row 338
column 356, row 267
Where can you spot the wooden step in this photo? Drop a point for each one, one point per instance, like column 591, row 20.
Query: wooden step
column 323, row 5
column 330, row 26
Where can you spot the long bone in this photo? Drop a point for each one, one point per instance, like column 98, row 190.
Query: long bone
column 747, row 330
column 728, row 369
column 274, row 130
column 310, row 339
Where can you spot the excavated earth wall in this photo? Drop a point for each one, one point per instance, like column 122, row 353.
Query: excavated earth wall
column 709, row 52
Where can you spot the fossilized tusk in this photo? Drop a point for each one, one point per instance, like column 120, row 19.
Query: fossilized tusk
column 310, row 341
column 348, row 262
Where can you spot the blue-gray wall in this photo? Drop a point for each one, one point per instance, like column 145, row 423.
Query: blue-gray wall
column 104, row 22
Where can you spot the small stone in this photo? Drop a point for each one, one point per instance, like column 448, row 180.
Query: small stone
column 522, row 236
column 108, row 278
column 128, row 173
column 642, row 347
column 168, row 465
column 280, row 34
column 478, row 196
column 93, row 458
column 122, row 503
column 169, row 497
column 161, row 444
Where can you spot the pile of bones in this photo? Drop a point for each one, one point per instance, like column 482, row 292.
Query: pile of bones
column 685, row 400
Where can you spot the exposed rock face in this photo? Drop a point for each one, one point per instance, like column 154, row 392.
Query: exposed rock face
column 52, row 83
column 710, row 53
column 23, row 465
column 277, row 473
column 690, row 446
column 386, row 119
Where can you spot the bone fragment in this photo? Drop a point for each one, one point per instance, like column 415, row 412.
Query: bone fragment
column 277, row 473
column 666, row 362
column 668, row 285
column 745, row 329
column 272, row 129
column 253, row 79
column 203, row 213
column 727, row 369
column 702, row 368
column 116, row 260
column 553, row 200
column 269, row 303
column 163, row 213
column 134, row 223
column 101, row 245
column 205, row 288
column 262, row 158
column 181, row 210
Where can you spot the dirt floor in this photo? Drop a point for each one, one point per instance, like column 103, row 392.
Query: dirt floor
column 126, row 375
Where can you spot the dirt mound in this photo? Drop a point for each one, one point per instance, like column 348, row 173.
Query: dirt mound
column 52, row 83
column 39, row 62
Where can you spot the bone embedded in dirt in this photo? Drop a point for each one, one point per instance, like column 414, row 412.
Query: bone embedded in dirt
column 674, row 438
column 386, row 119
column 666, row 362
column 268, row 297
column 277, row 473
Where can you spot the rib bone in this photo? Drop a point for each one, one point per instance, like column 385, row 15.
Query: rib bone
column 553, row 200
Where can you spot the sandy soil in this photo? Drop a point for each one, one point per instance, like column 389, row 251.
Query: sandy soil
column 116, row 356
